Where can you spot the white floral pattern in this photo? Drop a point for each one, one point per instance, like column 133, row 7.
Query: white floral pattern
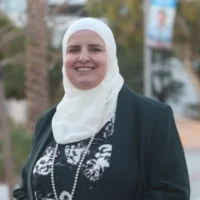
column 43, row 165
column 73, row 153
column 94, row 168
column 109, row 129
column 65, row 196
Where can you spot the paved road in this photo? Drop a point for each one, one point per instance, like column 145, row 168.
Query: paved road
column 193, row 161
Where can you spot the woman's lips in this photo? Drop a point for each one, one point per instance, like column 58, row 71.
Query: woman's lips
column 84, row 69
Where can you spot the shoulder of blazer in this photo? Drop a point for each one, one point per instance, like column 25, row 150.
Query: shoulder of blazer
column 143, row 103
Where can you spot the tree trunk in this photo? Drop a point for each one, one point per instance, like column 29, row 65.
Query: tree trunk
column 36, row 74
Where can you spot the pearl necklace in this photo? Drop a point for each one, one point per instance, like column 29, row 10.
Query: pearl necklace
column 80, row 163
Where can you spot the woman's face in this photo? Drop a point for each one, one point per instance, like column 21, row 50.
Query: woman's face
column 85, row 60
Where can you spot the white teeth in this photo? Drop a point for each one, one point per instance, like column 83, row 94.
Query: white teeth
column 84, row 69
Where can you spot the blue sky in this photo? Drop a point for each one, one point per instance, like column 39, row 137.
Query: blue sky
column 13, row 6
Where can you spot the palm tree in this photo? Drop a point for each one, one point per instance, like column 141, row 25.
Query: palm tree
column 36, row 73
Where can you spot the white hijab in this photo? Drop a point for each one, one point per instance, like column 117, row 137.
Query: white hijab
column 79, row 113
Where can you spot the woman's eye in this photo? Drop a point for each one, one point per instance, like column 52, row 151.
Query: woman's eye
column 73, row 50
column 95, row 49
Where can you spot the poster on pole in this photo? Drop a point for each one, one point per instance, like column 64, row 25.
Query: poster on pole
column 160, row 23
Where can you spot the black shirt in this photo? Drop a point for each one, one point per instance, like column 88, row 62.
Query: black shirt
column 66, row 162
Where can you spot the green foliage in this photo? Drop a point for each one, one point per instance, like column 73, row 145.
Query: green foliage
column 4, row 20
column 21, row 144
column 125, row 19
column 131, row 66
column 14, row 77
column 55, row 83
column 189, row 14
column 15, row 45
column 55, row 75
column 14, row 81
column 13, row 73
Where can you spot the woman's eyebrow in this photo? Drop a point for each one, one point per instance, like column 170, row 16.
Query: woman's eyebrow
column 95, row 45
column 73, row 46
column 90, row 45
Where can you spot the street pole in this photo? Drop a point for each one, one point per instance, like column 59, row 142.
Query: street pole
column 147, row 54
column 5, row 135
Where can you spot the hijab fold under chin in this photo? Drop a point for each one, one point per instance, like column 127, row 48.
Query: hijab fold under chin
column 78, row 114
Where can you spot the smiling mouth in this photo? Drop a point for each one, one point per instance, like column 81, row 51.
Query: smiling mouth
column 84, row 69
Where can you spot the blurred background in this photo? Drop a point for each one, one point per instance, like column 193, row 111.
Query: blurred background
column 161, row 62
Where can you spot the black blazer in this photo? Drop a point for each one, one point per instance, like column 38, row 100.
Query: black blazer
column 147, row 161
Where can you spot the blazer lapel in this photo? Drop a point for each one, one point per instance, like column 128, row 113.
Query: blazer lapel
column 118, row 175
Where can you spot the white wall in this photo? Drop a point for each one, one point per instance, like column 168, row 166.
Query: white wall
column 17, row 110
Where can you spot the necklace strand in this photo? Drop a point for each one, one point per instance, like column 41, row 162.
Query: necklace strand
column 79, row 165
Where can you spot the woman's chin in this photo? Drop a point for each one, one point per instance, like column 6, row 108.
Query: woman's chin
column 86, row 85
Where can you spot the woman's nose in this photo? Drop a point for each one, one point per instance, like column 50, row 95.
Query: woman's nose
column 84, row 57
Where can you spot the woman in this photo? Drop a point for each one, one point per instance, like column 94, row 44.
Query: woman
column 102, row 141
